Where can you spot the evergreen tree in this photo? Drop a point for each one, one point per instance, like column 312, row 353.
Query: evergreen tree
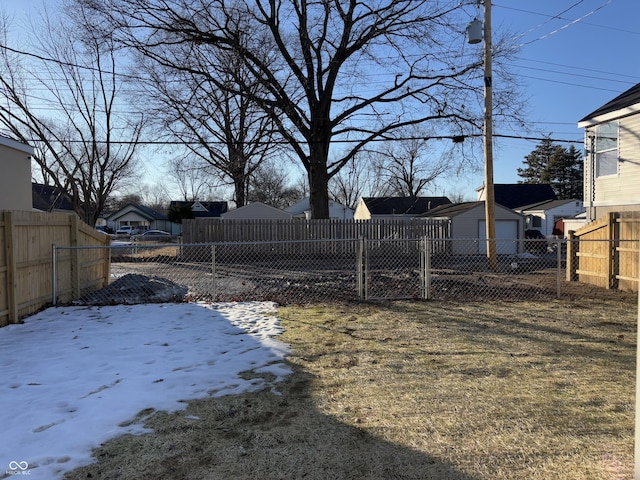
column 566, row 173
column 556, row 165
column 537, row 162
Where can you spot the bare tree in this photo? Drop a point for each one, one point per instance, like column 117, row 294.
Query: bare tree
column 223, row 126
column 409, row 165
column 85, row 147
column 352, row 182
column 348, row 72
column 270, row 186
column 193, row 177
column 155, row 196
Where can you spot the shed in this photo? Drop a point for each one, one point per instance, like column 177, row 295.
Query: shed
column 468, row 230
column 257, row 211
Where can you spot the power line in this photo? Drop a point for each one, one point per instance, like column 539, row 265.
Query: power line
column 607, row 27
column 573, row 84
column 453, row 138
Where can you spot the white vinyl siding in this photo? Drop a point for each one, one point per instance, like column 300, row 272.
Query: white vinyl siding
column 622, row 189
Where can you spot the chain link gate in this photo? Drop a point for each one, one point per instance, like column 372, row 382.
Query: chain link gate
column 391, row 269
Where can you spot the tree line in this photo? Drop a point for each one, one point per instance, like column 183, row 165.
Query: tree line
column 361, row 97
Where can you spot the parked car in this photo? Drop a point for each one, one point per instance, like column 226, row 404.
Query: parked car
column 127, row 230
column 155, row 236
column 105, row 229
column 535, row 241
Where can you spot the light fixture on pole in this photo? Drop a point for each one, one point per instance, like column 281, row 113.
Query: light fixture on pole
column 474, row 32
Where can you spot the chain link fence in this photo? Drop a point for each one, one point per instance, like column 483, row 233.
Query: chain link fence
column 324, row 271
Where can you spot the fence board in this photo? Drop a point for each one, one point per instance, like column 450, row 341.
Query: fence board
column 214, row 230
column 26, row 240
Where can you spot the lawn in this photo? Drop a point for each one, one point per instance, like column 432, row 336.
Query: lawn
column 416, row 390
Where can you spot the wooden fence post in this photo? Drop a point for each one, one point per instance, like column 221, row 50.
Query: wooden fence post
column 572, row 256
column 12, row 282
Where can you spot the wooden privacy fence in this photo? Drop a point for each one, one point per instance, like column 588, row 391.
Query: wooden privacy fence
column 605, row 252
column 317, row 232
column 26, row 267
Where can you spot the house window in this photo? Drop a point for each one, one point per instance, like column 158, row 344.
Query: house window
column 607, row 149
column 536, row 221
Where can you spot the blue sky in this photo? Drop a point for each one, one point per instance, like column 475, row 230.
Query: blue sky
column 570, row 64
column 576, row 55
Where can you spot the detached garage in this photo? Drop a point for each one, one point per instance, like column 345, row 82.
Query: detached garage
column 467, row 222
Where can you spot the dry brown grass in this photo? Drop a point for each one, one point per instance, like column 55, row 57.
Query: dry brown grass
column 416, row 390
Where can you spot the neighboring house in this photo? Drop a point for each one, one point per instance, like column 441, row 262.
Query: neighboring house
column 201, row 209
column 514, row 195
column 612, row 156
column 393, row 207
column 257, row 211
column 15, row 181
column 48, row 198
column 547, row 216
column 141, row 218
column 468, row 222
column 337, row 211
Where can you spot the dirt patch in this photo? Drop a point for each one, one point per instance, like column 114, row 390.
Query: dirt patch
column 134, row 288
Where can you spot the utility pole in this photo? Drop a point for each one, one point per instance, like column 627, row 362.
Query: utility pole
column 489, row 198
column 474, row 30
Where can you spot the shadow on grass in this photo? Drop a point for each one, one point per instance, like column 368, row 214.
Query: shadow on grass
column 259, row 435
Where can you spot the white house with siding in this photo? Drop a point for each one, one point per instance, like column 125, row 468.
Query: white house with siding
column 612, row 156
column 545, row 216
column 15, row 181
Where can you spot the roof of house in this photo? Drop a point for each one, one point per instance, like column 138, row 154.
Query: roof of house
column 48, row 198
column 455, row 209
column 514, row 195
column 202, row 209
column 143, row 211
column 625, row 99
column 257, row 210
column 155, row 215
column 403, row 205
column 547, row 205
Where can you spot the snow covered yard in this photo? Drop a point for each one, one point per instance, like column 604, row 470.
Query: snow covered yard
column 74, row 377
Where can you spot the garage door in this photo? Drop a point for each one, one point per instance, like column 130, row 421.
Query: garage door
column 506, row 234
